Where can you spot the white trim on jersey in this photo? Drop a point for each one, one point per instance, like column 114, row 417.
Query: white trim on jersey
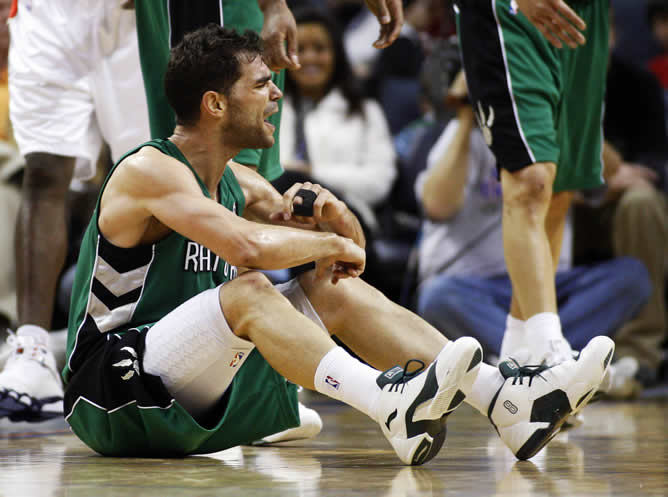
column 169, row 24
column 109, row 411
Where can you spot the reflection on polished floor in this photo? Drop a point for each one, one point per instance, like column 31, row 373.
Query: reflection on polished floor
column 620, row 450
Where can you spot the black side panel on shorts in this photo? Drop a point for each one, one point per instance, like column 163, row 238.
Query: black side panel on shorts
column 484, row 63
column 187, row 15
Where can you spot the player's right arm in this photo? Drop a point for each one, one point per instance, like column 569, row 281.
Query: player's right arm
column 150, row 194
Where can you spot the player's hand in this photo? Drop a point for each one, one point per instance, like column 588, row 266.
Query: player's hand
column 326, row 207
column 279, row 33
column 349, row 263
column 555, row 20
column 458, row 93
column 632, row 176
column 390, row 15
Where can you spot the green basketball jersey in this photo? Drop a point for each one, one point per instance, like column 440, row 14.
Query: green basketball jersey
column 161, row 25
column 114, row 406
column 116, row 289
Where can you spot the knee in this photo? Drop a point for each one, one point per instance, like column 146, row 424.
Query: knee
column 48, row 173
column 333, row 303
column 244, row 298
column 529, row 189
column 246, row 287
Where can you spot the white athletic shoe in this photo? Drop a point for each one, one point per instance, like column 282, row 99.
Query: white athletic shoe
column 534, row 401
column 310, row 425
column 30, row 386
column 413, row 406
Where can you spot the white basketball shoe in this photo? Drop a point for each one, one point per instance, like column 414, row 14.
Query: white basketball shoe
column 310, row 425
column 30, row 386
column 534, row 401
column 413, row 405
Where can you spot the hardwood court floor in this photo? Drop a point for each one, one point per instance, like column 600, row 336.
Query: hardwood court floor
column 621, row 450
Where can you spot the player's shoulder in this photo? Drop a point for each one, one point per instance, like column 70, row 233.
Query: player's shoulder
column 149, row 169
column 150, row 162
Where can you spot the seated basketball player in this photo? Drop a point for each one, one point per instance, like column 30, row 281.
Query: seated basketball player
column 173, row 351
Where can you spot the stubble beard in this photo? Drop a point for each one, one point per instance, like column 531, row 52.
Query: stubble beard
column 244, row 134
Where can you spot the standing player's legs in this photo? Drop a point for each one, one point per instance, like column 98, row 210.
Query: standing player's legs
column 527, row 194
column 41, row 235
column 512, row 74
column 519, row 84
column 548, row 246
column 533, row 226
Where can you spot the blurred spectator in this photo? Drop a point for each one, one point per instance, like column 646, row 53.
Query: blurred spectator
column 629, row 218
column 465, row 289
column 657, row 17
column 414, row 140
column 395, row 71
column 636, row 44
column 328, row 130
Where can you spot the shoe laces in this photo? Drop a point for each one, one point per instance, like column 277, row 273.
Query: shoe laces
column 405, row 375
column 518, row 373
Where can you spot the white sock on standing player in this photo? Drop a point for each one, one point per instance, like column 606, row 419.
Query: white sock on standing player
column 342, row 377
column 545, row 339
column 544, row 326
column 514, row 338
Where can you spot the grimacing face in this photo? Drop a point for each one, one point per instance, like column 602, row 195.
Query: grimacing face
column 251, row 100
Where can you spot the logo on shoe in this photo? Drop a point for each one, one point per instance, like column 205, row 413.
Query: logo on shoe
column 132, row 364
column 512, row 408
column 237, row 359
column 391, row 373
column 332, row 383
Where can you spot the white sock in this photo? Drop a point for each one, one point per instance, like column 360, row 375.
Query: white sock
column 544, row 326
column 514, row 338
column 342, row 377
column 545, row 338
column 484, row 388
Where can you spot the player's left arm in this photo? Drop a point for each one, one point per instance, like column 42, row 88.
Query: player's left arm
column 264, row 204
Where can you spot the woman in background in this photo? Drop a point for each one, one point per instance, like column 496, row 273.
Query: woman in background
column 329, row 132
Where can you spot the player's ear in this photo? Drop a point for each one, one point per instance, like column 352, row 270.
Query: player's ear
column 213, row 103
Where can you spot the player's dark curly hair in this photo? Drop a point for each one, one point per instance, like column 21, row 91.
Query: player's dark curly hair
column 207, row 59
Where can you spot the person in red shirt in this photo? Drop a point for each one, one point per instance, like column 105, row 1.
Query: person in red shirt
column 657, row 16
